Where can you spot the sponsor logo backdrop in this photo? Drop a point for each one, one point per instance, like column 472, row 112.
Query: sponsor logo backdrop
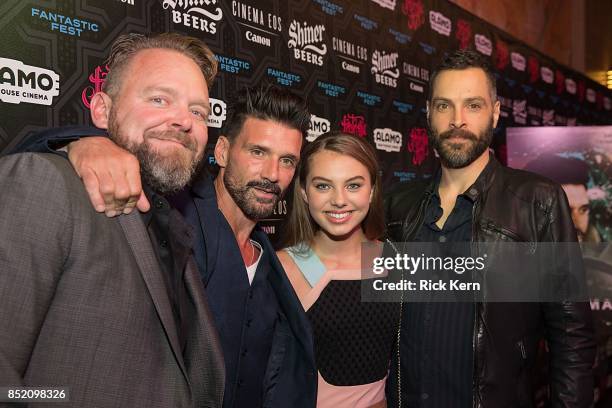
column 363, row 66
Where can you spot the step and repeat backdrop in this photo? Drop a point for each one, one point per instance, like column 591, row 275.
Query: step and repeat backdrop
column 363, row 66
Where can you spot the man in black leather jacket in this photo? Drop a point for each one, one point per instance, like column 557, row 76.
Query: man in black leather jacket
column 482, row 354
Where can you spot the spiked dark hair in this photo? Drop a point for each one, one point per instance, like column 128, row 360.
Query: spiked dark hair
column 268, row 103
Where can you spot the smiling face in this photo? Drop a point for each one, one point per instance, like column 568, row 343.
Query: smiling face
column 461, row 116
column 159, row 114
column 338, row 190
column 259, row 164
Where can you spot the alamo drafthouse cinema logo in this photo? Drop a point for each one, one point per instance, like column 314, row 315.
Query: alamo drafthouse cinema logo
column 307, row 42
column 25, row 83
column 200, row 15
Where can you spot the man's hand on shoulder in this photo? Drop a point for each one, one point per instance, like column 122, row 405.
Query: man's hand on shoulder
column 111, row 175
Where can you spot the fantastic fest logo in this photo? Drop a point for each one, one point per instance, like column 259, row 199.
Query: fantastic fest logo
column 197, row 14
column 418, row 144
column 388, row 140
column 97, row 79
column 318, row 126
column 26, row 83
column 385, row 68
column 415, row 12
column 463, row 33
column 390, row 4
column 354, row 124
column 307, row 42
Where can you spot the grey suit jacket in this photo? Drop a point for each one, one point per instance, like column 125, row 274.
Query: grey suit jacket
column 83, row 302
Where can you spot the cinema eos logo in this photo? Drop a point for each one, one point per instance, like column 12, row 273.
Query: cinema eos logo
column 261, row 25
column 385, row 69
column 197, row 14
column 218, row 113
column 318, row 126
column 388, row 140
column 26, row 83
column 440, row 23
column 307, row 42
column 351, row 54
column 390, row 4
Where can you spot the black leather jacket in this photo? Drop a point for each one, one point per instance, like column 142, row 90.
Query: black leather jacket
column 513, row 205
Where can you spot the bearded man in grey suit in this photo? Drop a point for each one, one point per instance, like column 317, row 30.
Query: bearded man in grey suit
column 113, row 308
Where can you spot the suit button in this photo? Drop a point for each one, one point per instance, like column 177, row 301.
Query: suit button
column 159, row 204
column 163, row 244
column 442, row 238
column 239, row 383
column 248, row 322
column 244, row 352
column 424, row 395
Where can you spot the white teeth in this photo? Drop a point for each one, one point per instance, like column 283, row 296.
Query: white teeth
column 338, row 216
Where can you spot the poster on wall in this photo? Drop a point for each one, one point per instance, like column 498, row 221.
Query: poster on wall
column 580, row 159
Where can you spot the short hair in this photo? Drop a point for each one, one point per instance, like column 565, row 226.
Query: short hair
column 301, row 227
column 563, row 170
column 126, row 46
column 267, row 103
column 464, row 59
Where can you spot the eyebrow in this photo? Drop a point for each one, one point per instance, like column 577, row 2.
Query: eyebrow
column 329, row 181
column 468, row 100
column 267, row 150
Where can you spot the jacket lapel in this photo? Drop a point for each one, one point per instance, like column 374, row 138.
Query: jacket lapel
column 207, row 219
column 140, row 244
column 287, row 299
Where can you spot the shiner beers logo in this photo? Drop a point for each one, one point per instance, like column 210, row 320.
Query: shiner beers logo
column 385, row 69
column 307, row 42
column 388, row 140
column 200, row 15
column 26, row 83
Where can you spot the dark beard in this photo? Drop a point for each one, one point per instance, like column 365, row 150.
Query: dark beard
column 457, row 156
column 164, row 173
column 246, row 200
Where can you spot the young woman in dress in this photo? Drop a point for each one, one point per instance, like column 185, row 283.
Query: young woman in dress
column 337, row 207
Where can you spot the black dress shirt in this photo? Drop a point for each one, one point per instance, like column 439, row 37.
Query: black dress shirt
column 172, row 257
column 437, row 336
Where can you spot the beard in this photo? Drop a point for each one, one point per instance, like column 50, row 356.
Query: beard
column 253, row 207
column 460, row 155
column 164, row 170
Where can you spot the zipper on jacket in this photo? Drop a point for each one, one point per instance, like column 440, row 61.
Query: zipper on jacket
column 475, row 382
